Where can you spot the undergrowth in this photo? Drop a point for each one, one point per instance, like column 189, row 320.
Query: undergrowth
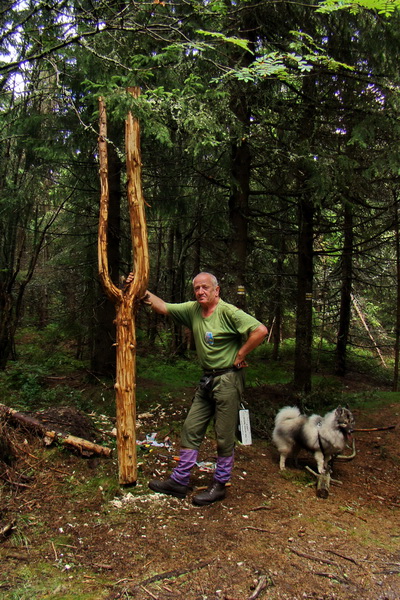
column 48, row 374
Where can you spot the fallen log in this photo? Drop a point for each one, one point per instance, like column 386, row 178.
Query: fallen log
column 324, row 481
column 85, row 447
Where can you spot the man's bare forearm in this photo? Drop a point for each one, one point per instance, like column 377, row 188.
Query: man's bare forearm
column 256, row 337
column 157, row 304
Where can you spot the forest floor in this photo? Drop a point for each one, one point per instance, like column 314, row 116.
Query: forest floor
column 76, row 535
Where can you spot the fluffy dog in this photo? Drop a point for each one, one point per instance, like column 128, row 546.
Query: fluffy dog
column 324, row 436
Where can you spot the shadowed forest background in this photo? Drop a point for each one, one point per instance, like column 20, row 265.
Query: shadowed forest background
column 270, row 151
column 270, row 154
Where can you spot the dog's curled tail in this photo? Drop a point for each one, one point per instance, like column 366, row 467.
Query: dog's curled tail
column 287, row 412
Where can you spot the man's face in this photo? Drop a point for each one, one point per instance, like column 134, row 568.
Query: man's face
column 205, row 292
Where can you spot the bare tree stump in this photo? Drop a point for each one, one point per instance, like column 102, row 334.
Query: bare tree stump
column 323, row 483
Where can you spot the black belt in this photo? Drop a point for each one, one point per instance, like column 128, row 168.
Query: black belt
column 216, row 372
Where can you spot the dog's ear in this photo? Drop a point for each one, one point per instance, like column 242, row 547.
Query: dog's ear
column 339, row 411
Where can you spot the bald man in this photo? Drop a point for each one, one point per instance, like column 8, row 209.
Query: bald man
column 224, row 335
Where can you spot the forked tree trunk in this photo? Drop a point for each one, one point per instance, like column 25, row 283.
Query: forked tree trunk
column 125, row 300
column 103, row 355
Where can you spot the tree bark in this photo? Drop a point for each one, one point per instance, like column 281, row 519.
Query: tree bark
column 125, row 300
column 103, row 357
column 302, row 366
column 306, row 211
column 323, row 485
column 276, row 326
column 345, row 292
column 238, row 216
column 397, row 338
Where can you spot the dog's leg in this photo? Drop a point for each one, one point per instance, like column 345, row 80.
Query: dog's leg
column 328, row 460
column 282, row 461
column 319, row 457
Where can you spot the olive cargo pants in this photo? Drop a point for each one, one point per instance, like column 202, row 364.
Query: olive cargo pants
column 222, row 403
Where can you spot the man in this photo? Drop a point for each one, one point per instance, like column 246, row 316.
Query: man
column 218, row 329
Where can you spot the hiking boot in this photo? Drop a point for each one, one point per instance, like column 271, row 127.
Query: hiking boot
column 168, row 486
column 216, row 491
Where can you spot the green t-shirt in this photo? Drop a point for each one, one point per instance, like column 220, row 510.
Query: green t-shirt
column 217, row 337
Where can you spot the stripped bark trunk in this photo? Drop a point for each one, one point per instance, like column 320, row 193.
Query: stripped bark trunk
column 103, row 355
column 125, row 300
column 323, row 483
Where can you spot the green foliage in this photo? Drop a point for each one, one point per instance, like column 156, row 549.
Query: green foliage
column 103, row 485
column 307, row 49
column 262, row 371
column 48, row 349
column 288, row 66
column 171, row 373
column 36, row 380
column 327, row 394
column 386, row 8
column 207, row 91
column 242, row 43
column 26, row 388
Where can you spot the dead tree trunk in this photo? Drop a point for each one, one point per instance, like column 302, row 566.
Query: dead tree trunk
column 125, row 300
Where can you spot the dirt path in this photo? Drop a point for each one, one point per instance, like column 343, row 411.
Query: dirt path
column 271, row 538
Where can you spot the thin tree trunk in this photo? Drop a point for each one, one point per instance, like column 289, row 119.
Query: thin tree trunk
column 345, row 292
column 152, row 317
column 198, row 249
column 276, row 327
column 397, row 338
column 103, row 358
column 238, row 217
column 302, row 366
column 367, row 329
column 170, row 262
column 306, row 213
